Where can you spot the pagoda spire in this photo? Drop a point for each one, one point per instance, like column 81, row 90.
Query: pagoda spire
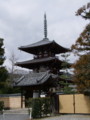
column 45, row 26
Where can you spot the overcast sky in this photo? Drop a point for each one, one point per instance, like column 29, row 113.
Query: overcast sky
column 21, row 23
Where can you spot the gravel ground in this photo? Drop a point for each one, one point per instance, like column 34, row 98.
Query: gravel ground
column 70, row 117
column 14, row 117
column 62, row 117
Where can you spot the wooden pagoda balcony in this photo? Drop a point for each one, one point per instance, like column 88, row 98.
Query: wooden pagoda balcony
column 46, row 55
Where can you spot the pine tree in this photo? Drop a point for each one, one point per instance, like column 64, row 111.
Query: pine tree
column 65, row 86
column 82, row 48
column 3, row 71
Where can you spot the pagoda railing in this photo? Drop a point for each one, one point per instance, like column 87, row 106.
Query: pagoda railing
column 42, row 56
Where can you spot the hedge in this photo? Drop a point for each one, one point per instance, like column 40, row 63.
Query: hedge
column 40, row 107
column 1, row 106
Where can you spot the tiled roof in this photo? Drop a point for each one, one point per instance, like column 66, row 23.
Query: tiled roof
column 45, row 41
column 10, row 95
column 33, row 79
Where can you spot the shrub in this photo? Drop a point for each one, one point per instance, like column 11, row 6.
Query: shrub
column 46, row 106
column 40, row 107
column 1, row 106
column 37, row 108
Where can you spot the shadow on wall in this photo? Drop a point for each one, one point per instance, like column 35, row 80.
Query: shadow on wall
column 87, row 100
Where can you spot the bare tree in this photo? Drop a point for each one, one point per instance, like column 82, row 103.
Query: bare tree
column 13, row 58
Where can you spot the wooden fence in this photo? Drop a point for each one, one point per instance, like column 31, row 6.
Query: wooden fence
column 74, row 103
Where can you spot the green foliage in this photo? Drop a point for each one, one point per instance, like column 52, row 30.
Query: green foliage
column 83, row 42
column 1, row 106
column 46, row 106
column 65, row 75
column 82, row 48
column 82, row 73
column 1, row 52
column 40, row 107
column 3, row 74
column 5, row 83
column 3, row 71
column 87, row 92
column 37, row 108
column 66, row 88
column 65, row 63
column 84, row 11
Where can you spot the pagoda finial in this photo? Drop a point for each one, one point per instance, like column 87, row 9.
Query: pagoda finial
column 45, row 26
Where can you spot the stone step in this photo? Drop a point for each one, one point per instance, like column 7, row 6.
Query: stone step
column 16, row 111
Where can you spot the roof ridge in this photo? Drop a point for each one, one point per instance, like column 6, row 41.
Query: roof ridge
column 19, row 80
column 42, row 77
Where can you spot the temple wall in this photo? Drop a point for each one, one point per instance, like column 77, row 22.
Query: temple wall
column 15, row 102
column 6, row 101
column 11, row 102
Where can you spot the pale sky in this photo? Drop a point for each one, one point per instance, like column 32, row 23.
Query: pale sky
column 21, row 23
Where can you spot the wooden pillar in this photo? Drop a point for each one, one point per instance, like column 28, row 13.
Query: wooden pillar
column 22, row 99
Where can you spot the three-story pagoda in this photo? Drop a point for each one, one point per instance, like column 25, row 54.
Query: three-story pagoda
column 45, row 66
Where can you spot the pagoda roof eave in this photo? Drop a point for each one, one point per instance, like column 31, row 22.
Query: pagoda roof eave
column 30, row 64
column 61, row 49
column 45, row 41
column 32, row 48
